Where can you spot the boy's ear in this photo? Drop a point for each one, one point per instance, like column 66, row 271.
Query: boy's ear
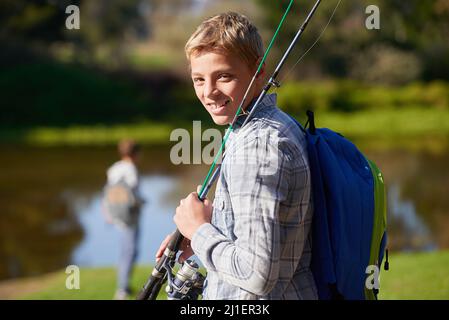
column 262, row 71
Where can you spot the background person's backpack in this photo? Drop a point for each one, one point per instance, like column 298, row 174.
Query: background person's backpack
column 121, row 204
column 349, row 222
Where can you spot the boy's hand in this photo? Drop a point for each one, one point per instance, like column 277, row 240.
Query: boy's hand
column 191, row 214
column 187, row 251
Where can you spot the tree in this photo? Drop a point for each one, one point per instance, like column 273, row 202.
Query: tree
column 106, row 25
column 416, row 30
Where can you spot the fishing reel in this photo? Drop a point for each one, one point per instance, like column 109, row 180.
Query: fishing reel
column 186, row 284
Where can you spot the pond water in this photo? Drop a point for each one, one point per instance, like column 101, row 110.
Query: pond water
column 99, row 245
column 50, row 204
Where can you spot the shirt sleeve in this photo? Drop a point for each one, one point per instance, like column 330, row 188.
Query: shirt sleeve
column 131, row 177
column 124, row 171
column 257, row 177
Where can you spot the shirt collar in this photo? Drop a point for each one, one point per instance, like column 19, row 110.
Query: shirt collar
column 268, row 101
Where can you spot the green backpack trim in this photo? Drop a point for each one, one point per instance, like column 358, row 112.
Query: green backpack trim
column 380, row 221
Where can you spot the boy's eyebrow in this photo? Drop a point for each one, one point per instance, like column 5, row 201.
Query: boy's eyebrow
column 226, row 70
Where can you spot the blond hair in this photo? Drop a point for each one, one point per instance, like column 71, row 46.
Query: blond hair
column 228, row 32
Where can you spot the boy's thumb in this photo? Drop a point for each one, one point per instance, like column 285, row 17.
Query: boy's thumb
column 207, row 202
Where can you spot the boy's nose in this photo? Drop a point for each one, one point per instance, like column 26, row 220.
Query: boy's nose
column 210, row 90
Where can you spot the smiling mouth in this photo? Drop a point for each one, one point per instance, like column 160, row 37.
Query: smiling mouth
column 216, row 107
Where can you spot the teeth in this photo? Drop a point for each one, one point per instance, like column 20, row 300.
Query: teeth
column 221, row 105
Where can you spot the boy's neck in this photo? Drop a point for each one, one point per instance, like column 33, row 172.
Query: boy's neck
column 128, row 159
column 251, row 103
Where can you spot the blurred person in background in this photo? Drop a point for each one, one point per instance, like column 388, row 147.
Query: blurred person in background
column 122, row 204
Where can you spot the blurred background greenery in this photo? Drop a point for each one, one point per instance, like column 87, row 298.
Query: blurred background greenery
column 67, row 97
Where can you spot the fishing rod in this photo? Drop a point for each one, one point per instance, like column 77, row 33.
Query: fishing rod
column 187, row 283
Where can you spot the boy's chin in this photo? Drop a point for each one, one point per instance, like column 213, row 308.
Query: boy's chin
column 221, row 120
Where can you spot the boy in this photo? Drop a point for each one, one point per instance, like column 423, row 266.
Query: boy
column 124, row 172
column 254, row 241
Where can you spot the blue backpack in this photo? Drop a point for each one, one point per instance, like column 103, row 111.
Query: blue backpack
column 349, row 223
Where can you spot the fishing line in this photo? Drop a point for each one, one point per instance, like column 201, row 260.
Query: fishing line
column 310, row 48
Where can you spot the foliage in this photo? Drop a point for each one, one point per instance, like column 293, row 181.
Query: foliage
column 413, row 33
column 53, row 94
column 45, row 93
column 411, row 44
column 104, row 27
column 34, row 21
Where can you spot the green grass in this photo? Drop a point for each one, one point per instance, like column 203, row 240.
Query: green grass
column 416, row 276
column 388, row 124
column 95, row 284
column 411, row 128
column 411, row 276
column 146, row 132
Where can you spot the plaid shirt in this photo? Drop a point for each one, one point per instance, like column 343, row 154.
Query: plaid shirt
column 257, row 245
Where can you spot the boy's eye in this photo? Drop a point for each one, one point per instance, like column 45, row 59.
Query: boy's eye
column 198, row 80
column 224, row 76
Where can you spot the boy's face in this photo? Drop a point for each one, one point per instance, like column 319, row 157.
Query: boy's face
column 220, row 82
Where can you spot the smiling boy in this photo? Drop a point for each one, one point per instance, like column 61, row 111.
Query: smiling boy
column 254, row 240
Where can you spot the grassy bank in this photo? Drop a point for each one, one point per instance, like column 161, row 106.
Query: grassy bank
column 145, row 132
column 391, row 128
column 416, row 276
column 95, row 283
column 411, row 276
